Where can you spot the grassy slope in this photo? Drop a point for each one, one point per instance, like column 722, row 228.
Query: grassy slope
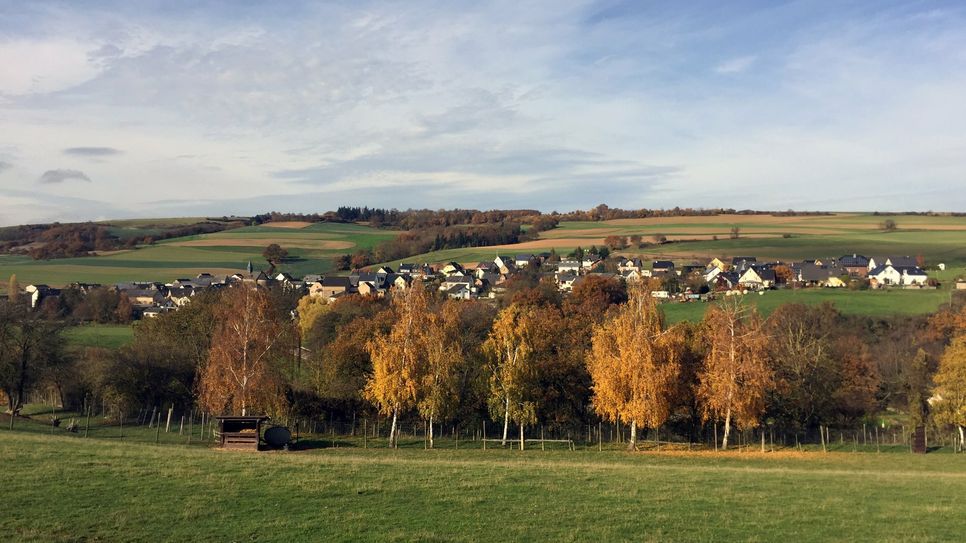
column 65, row 489
column 166, row 261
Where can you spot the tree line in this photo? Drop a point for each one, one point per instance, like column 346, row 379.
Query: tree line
column 602, row 353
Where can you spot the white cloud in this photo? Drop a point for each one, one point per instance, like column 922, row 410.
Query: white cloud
column 736, row 65
column 40, row 66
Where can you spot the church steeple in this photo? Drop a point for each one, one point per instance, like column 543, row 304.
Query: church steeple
column 250, row 267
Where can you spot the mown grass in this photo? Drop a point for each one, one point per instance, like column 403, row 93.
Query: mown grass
column 62, row 489
column 107, row 336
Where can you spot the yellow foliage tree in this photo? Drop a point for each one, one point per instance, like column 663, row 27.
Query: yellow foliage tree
column 310, row 308
column 950, row 379
column 444, row 354
column 736, row 373
column 633, row 364
column 399, row 359
column 509, row 353
column 241, row 373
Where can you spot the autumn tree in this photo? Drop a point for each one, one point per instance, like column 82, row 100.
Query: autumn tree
column 242, row 374
column 30, row 348
column 736, row 375
column 634, row 366
column 124, row 311
column 509, row 354
column 274, row 254
column 399, row 359
column 950, row 381
column 444, row 354
column 309, row 309
column 616, row 242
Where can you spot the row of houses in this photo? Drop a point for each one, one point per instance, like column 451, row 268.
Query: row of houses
column 488, row 278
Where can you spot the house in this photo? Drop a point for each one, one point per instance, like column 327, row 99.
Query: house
column 523, row 260
column 312, row 278
column 757, row 278
column 855, row 265
column 181, row 295
column 452, row 268
column 632, row 275
column 568, row 266
column 725, row 281
column 810, row 273
column 889, row 275
column 711, row 272
column 632, row 264
column 454, row 280
column 895, row 261
column 330, row 287
column 37, row 293
column 565, row 281
column 590, row 262
column 961, row 284
column 741, row 263
column 459, row 292
column 717, row 263
column 662, row 267
column 504, row 263
column 143, row 297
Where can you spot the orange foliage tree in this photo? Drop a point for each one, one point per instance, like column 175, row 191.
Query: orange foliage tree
column 399, row 359
column 736, row 375
column 242, row 374
column 633, row 364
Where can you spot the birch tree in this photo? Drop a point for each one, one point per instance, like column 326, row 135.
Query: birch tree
column 950, row 381
column 633, row 364
column 509, row 354
column 444, row 353
column 736, row 375
column 240, row 374
column 399, row 358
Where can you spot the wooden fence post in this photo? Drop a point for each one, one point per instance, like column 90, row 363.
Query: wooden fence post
column 167, row 424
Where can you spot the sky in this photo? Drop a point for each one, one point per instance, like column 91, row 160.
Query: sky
column 170, row 108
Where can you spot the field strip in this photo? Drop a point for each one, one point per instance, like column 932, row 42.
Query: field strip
column 288, row 243
column 287, row 224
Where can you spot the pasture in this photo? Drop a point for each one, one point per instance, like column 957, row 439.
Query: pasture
column 68, row 489
column 311, row 250
column 869, row 303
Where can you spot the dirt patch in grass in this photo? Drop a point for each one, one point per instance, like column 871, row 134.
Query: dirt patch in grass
column 287, row 243
column 287, row 224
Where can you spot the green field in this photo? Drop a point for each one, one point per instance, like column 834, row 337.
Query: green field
column 108, row 336
column 106, row 489
column 311, row 250
column 863, row 302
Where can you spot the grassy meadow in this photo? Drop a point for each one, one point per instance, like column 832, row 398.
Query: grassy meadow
column 107, row 336
column 107, row 489
column 311, row 248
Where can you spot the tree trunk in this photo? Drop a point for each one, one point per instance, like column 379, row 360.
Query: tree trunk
column 632, row 442
column 430, row 431
column 521, row 437
column 727, row 430
column 506, row 421
column 962, row 444
column 393, row 437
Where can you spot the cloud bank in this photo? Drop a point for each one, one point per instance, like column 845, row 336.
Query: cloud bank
column 59, row 176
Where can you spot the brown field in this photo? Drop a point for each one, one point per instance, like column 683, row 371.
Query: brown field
column 264, row 242
column 287, row 224
column 587, row 242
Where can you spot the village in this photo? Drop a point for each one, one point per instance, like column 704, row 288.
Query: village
column 667, row 280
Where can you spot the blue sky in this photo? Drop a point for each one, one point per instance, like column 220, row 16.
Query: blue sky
column 128, row 109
